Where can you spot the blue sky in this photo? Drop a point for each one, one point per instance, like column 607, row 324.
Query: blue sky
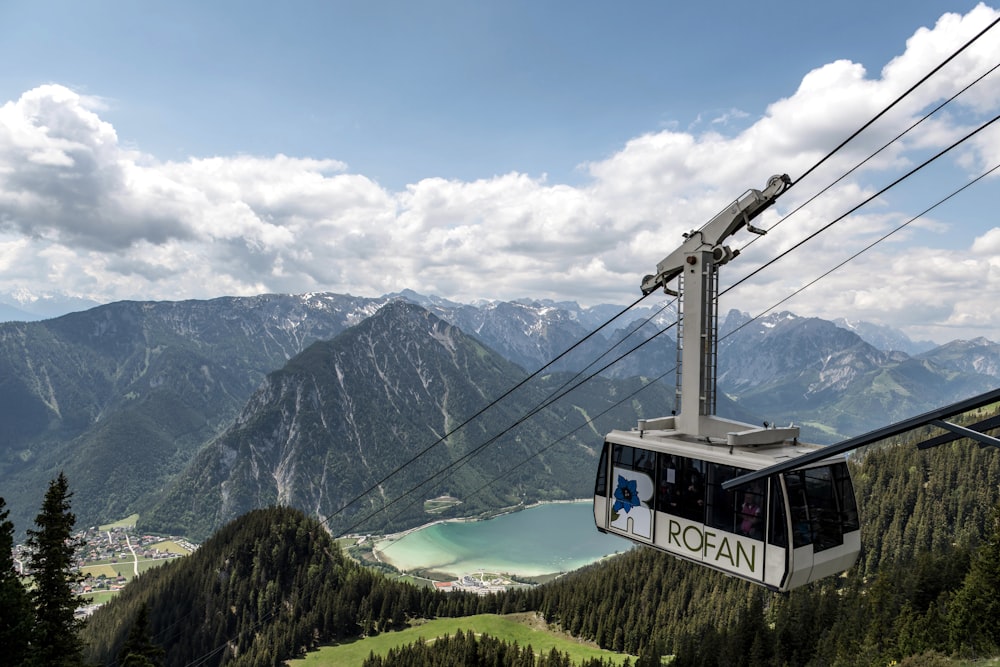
column 480, row 150
column 405, row 90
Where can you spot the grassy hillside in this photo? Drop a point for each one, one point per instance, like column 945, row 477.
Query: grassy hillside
column 525, row 629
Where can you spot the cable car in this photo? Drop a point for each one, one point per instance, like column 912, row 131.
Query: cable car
column 661, row 483
column 661, row 488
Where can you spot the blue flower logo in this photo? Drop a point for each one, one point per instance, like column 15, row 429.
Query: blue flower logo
column 626, row 495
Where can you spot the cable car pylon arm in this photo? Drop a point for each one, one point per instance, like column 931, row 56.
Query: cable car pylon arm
column 934, row 417
column 714, row 233
column 980, row 427
column 660, row 483
column 981, row 438
column 694, row 265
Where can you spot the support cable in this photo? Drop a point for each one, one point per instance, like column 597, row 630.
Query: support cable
column 891, row 185
column 477, row 414
column 900, row 98
column 587, row 422
column 557, row 393
column 468, row 455
column 863, row 250
column 636, row 330
column 872, row 156
column 591, row 420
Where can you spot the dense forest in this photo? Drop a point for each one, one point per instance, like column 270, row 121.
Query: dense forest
column 928, row 572
column 470, row 651
column 273, row 584
column 265, row 588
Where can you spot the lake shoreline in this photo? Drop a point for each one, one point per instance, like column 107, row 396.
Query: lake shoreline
column 389, row 538
column 520, row 553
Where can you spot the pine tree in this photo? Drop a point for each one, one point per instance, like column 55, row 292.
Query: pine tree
column 139, row 649
column 15, row 605
column 54, row 638
column 976, row 607
column 650, row 655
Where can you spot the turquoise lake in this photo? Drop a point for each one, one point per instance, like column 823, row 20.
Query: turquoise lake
column 545, row 539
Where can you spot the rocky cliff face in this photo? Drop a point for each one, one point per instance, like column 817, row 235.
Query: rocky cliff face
column 810, row 351
column 835, row 385
column 885, row 338
column 374, row 408
column 978, row 355
column 121, row 397
column 533, row 333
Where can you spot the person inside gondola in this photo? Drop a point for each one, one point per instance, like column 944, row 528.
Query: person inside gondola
column 667, row 493
column 693, row 506
column 750, row 514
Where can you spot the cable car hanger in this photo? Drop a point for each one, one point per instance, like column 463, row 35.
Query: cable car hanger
column 661, row 484
column 694, row 264
column 751, row 502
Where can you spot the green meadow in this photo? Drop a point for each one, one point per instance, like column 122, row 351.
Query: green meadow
column 525, row 629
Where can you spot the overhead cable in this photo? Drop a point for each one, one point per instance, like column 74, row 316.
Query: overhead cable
column 872, row 156
column 862, row 203
column 531, row 413
column 477, row 414
column 900, row 98
column 754, row 318
column 865, row 249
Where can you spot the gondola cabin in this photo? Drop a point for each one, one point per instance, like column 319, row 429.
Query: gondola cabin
column 658, row 487
column 661, row 484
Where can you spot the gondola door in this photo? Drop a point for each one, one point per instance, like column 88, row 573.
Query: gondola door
column 632, row 487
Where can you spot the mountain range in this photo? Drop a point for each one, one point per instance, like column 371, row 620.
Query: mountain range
column 22, row 305
column 193, row 412
column 385, row 404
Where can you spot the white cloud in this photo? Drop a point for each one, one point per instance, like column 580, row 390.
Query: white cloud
column 81, row 213
column 730, row 115
column 65, row 179
column 987, row 246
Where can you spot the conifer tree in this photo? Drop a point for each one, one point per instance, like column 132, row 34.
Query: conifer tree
column 15, row 606
column 54, row 638
column 650, row 655
column 139, row 649
column 976, row 607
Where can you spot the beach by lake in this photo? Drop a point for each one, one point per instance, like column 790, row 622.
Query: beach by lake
column 544, row 539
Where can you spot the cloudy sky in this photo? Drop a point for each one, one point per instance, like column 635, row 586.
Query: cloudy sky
column 496, row 150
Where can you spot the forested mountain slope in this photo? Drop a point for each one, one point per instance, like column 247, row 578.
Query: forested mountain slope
column 263, row 589
column 271, row 583
column 927, row 518
column 349, row 412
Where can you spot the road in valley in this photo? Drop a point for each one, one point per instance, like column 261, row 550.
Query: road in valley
column 135, row 558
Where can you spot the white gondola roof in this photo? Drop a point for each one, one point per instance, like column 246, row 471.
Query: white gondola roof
column 717, row 451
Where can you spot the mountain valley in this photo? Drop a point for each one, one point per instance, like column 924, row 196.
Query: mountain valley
column 193, row 412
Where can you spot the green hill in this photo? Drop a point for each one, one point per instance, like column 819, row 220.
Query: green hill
column 264, row 588
column 271, row 584
column 521, row 628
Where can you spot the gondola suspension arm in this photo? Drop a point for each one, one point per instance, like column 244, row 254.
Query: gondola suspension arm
column 716, row 231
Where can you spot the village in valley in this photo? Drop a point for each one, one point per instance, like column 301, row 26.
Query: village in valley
column 110, row 556
column 481, row 583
